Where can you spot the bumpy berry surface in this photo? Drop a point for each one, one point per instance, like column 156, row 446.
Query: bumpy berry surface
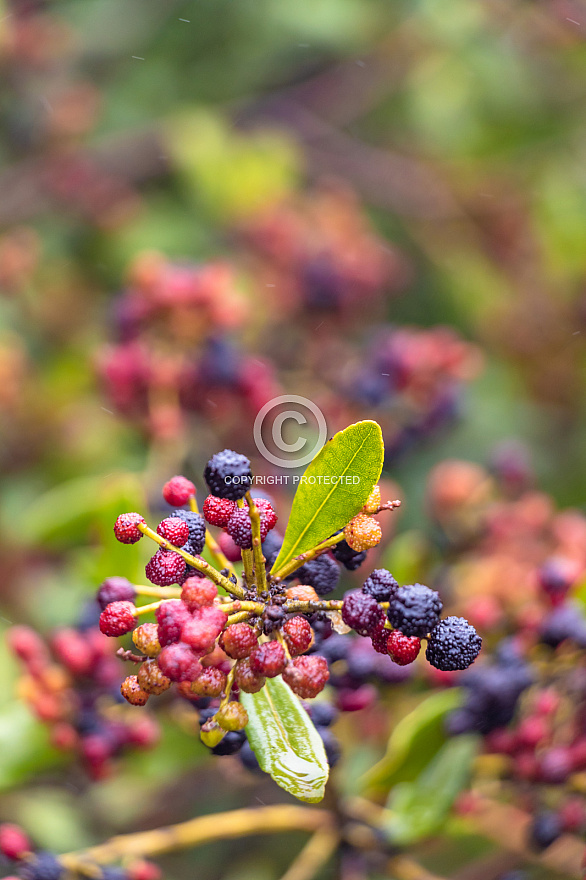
column 268, row 659
column 321, row 573
column 151, row 679
column 201, row 632
column 197, row 531
column 307, row 676
column 43, row 866
column 350, row 559
column 176, row 492
column 362, row 533
column 197, row 592
column 125, row 528
column 14, row 843
column 248, row 681
column 174, row 530
column 146, row 639
column 414, row 609
column 218, row 511
column 211, row 682
column 238, row 640
column 298, row 634
column 381, row 585
column 453, row 644
column 239, row 526
column 132, row 691
column 361, row 612
column 165, row 568
column 233, row 716
column 380, row 639
column 228, row 475
column 115, row 589
column 179, row 663
column 403, row 649
column 171, row 617
column 117, row 618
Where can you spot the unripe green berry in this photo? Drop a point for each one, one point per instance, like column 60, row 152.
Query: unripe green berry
column 233, row 716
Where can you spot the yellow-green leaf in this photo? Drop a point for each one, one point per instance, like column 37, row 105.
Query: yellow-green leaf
column 334, row 488
column 285, row 741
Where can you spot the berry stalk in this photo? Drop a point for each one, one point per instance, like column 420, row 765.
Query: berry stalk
column 300, row 560
column 208, row 570
column 259, row 560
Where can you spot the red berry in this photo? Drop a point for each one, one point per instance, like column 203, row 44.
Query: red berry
column 177, row 491
column 14, row 843
column 356, row 699
column 198, row 592
column 117, row 618
column 143, row 870
column 144, row 732
column 268, row 659
column 73, row 651
column 201, row 632
column 532, row 731
column 229, row 548
column 115, row 589
column 362, row 612
column 28, row 647
column 248, row 681
column 165, row 568
column 132, row 692
column 380, row 640
column 298, row 634
column 171, row 617
column 125, row 528
column 218, row 511
column 174, row 530
column 403, row 649
column 179, row 663
column 238, row 640
column 307, row 676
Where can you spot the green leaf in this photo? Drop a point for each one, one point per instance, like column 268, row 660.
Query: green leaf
column 414, row 740
column 320, row 506
column 285, row 742
column 420, row 808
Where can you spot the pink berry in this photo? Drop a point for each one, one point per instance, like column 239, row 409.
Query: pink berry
column 229, row 548
column 178, row 491
column 197, row 592
column 14, row 843
column 171, row 617
column 218, row 511
column 179, row 663
column 201, row 632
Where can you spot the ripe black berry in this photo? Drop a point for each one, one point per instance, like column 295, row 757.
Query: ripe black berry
column 453, row 644
column 350, row 559
column 361, row 612
column 321, row 573
column 228, row 475
column 414, row 609
column 231, row 743
column 197, row 530
column 381, row 585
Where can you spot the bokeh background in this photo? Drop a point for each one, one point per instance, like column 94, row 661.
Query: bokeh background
column 205, row 204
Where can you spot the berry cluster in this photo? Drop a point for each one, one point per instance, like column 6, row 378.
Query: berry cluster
column 412, row 613
column 73, row 683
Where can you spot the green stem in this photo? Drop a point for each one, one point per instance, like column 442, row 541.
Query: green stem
column 309, row 607
column 259, row 560
column 300, row 560
column 195, row 562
